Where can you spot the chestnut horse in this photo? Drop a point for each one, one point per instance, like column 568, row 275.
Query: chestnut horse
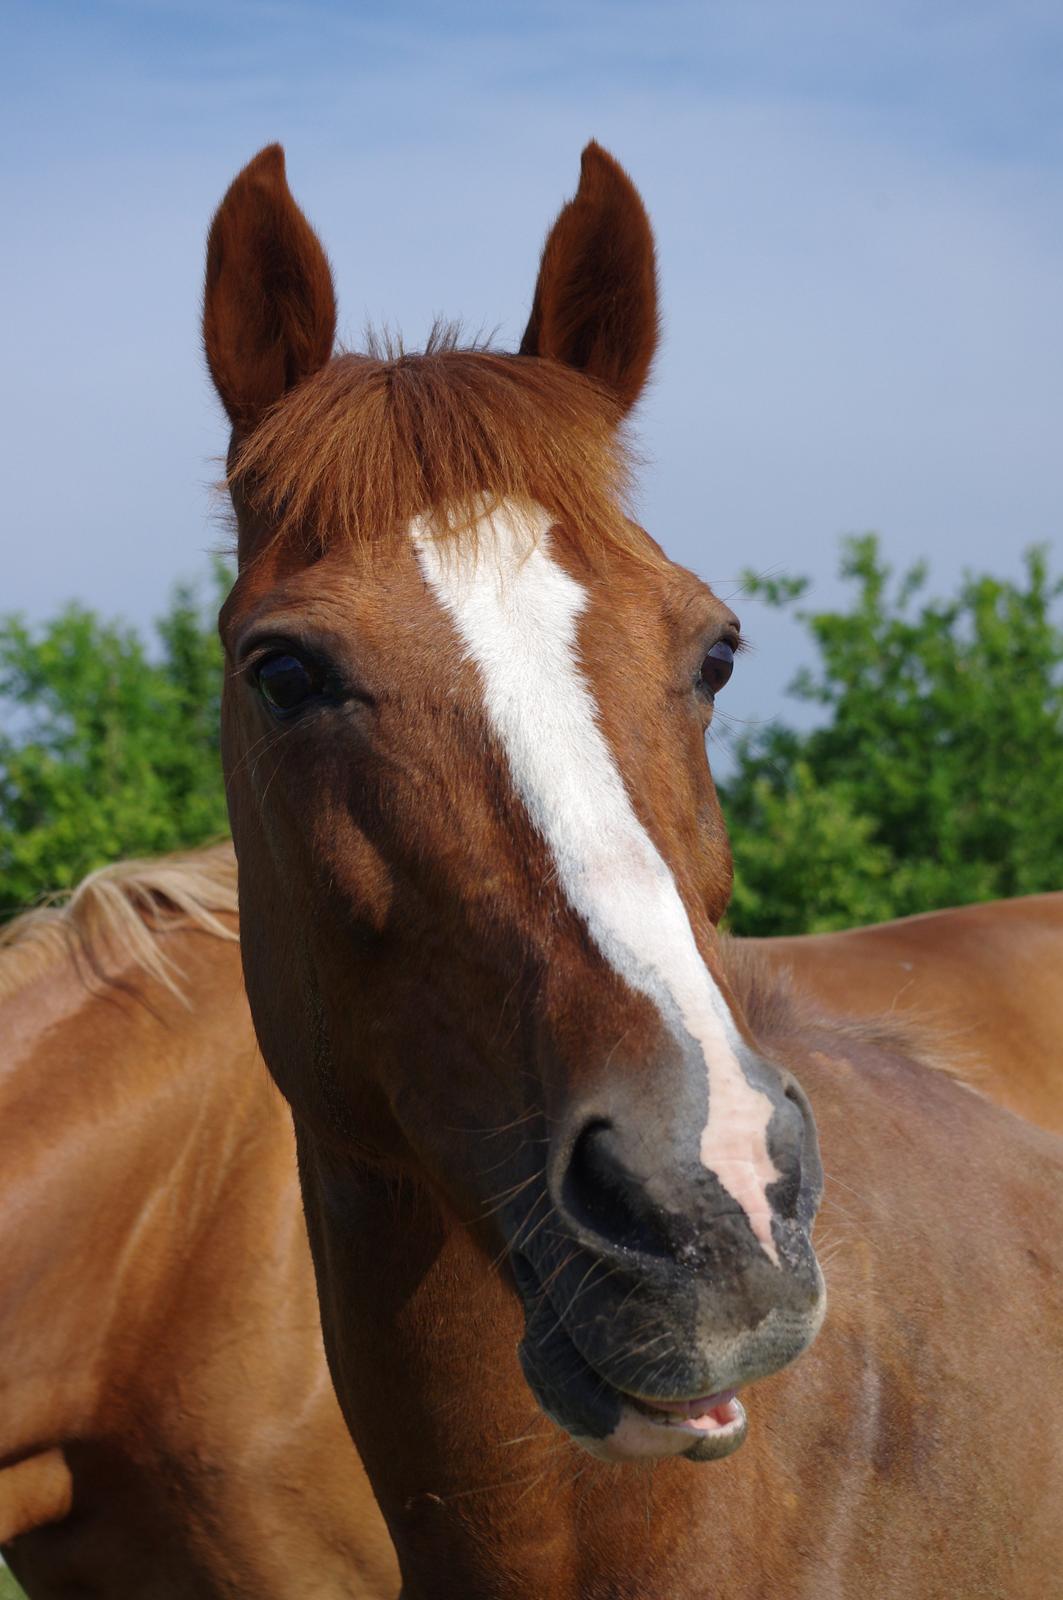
column 89, row 995
column 104, row 970
column 986, row 979
column 559, row 1173
column 168, row 1428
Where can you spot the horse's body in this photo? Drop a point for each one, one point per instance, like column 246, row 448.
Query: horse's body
column 481, row 868
column 167, row 1427
column 987, row 979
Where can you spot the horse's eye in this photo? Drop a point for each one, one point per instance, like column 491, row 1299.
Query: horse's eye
column 717, row 667
column 285, row 682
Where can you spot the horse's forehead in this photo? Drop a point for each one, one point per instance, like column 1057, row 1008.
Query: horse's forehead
column 347, row 581
column 381, row 595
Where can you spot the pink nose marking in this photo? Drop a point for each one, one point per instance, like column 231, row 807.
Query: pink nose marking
column 734, row 1141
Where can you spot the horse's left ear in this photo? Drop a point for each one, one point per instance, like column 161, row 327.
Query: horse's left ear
column 595, row 305
column 269, row 308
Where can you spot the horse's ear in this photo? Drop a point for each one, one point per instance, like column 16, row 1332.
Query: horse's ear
column 595, row 305
column 269, row 308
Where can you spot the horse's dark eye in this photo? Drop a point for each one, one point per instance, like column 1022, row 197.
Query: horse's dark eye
column 717, row 667
column 285, row 682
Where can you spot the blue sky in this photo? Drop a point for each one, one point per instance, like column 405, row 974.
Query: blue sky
column 859, row 218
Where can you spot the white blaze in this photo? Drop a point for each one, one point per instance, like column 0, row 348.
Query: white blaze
column 517, row 611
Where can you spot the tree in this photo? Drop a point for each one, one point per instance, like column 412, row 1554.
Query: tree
column 9, row 1589
column 936, row 775
column 109, row 750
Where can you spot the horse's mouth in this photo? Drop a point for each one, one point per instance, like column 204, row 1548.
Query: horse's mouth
column 610, row 1422
column 616, row 1426
column 713, row 1425
column 704, row 1417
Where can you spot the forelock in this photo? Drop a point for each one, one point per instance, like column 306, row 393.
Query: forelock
column 358, row 450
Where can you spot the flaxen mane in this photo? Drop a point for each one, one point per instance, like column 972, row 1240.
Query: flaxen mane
column 110, row 923
column 363, row 446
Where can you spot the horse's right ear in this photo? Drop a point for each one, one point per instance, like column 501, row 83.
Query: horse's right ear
column 269, row 308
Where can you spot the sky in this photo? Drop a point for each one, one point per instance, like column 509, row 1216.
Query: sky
column 860, row 236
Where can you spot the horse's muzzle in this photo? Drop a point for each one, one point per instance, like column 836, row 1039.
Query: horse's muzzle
column 651, row 1294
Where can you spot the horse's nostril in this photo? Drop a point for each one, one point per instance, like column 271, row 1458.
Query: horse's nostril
column 605, row 1199
column 796, row 1095
column 789, row 1134
column 805, row 1121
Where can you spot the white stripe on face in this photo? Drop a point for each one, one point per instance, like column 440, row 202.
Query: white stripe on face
column 517, row 611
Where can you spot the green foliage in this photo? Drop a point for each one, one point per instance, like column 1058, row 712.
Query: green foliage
column 934, row 777
column 107, row 750
column 937, row 775
column 9, row 1589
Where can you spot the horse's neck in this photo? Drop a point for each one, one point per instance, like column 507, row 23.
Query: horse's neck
column 157, row 1315
column 113, row 1108
column 422, row 1333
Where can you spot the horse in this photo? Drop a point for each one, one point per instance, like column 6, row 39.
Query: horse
column 988, row 978
column 560, row 1173
column 112, row 965
column 142, row 972
column 168, row 1427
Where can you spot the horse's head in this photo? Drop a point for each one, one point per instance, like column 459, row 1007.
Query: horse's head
column 481, row 855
